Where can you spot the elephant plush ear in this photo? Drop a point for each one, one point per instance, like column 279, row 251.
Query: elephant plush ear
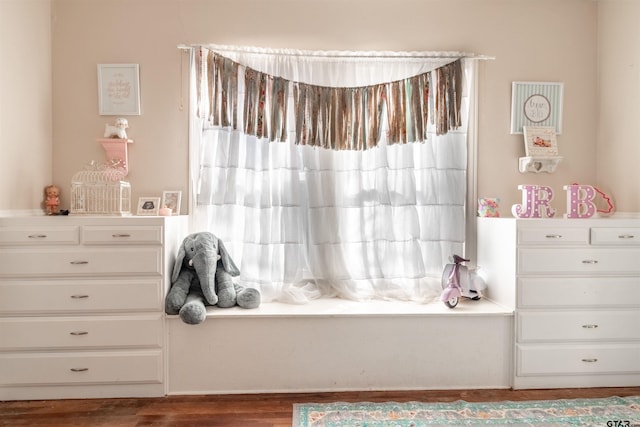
column 177, row 266
column 227, row 262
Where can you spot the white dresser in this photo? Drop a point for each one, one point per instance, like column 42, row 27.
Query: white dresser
column 81, row 305
column 575, row 287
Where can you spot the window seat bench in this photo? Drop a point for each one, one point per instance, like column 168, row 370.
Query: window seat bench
column 341, row 345
column 336, row 307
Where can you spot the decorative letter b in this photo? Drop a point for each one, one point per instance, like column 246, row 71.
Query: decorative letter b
column 580, row 201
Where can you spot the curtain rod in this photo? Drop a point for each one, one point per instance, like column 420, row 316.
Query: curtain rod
column 339, row 54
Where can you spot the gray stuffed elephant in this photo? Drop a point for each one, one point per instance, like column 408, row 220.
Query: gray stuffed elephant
column 202, row 275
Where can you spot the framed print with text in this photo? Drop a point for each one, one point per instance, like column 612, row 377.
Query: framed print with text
column 536, row 104
column 119, row 89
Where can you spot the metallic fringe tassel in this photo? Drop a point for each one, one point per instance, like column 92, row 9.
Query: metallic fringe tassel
column 329, row 117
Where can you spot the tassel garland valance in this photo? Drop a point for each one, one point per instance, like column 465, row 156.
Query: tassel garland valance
column 341, row 118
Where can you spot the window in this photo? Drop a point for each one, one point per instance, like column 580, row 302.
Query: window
column 332, row 173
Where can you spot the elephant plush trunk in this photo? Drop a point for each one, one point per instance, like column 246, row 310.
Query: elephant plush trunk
column 205, row 263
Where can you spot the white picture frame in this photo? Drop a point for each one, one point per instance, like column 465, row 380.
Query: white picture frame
column 536, row 104
column 148, row 206
column 172, row 199
column 540, row 141
column 119, row 89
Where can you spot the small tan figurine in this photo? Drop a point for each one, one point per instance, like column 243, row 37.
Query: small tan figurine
column 51, row 199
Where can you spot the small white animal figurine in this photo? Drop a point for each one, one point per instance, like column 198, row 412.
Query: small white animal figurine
column 118, row 130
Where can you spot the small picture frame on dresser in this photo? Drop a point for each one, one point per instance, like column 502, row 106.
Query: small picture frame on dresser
column 171, row 200
column 148, row 206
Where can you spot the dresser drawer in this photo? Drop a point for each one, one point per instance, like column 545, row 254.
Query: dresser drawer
column 63, row 235
column 142, row 366
column 578, row 326
column 85, row 261
column 615, row 236
column 80, row 296
column 80, row 332
column 540, row 292
column 553, row 236
column 578, row 261
column 534, row 359
column 97, row 235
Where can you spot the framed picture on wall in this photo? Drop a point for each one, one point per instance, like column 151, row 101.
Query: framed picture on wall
column 171, row 200
column 536, row 104
column 148, row 206
column 119, row 89
column 540, row 141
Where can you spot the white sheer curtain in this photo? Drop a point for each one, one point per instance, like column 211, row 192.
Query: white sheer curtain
column 302, row 221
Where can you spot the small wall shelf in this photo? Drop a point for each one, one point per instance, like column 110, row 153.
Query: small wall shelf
column 116, row 149
column 539, row 164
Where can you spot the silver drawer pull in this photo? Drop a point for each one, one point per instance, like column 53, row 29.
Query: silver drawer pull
column 79, row 296
column 590, row 360
column 589, row 261
column 79, row 262
column 37, row 236
column 626, row 236
column 79, row 369
column 553, row 236
column 78, row 333
column 590, row 326
column 120, row 235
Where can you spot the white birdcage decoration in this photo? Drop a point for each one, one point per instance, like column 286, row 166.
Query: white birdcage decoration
column 100, row 192
column 100, row 188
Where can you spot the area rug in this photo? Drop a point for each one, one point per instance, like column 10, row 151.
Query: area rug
column 606, row 412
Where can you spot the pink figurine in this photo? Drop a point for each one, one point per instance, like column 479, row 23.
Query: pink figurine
column 52, row 199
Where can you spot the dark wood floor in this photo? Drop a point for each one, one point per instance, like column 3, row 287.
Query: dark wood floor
column 256, row 410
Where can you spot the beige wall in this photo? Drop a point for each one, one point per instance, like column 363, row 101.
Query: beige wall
column 618, row 149
column 536, row 40
column 25, row 103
